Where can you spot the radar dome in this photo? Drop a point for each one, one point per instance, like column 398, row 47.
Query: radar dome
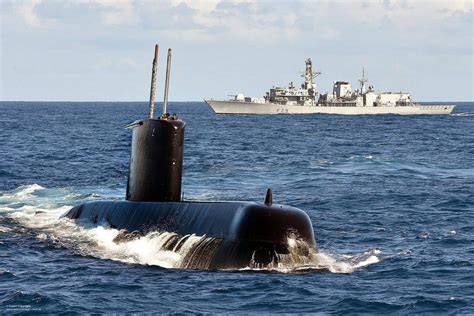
column 240, row 97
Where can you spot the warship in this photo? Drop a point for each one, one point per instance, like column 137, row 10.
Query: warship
column 343, row 100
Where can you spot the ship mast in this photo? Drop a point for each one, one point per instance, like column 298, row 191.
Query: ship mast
column 308, row 83
column 363, row 81
column 309, row 76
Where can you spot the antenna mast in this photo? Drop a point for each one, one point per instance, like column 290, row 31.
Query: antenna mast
column 167, row 81
column 363, row 81
column 309, row 75
column 153, row 84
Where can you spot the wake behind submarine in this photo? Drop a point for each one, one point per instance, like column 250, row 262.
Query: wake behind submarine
column 236, row 234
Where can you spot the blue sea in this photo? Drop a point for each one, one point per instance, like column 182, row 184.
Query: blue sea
column 391, row 199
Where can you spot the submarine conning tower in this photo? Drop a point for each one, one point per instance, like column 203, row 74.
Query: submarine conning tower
column 204, row 234
column 156, row 159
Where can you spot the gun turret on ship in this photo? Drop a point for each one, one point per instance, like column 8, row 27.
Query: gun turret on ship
column 342, row 100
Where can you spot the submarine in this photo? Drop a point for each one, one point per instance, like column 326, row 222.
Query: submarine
column 237, row 234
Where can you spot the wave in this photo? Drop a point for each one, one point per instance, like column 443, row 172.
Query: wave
column 322, row 260
column 22, row 192
column 27, row 207
column 462, row 114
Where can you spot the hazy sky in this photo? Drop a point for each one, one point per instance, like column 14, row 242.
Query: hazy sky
column 102, row 49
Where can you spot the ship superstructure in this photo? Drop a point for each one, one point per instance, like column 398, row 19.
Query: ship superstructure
column 343, row 95
column 342, row 100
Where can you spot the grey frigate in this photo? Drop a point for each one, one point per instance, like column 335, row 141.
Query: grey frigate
column 343, row 100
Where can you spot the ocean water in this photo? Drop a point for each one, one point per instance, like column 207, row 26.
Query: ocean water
column 391, row 199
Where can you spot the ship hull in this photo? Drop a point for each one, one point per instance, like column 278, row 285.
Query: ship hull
column 233, row 107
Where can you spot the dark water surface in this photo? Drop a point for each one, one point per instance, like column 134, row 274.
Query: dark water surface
column 391, row 199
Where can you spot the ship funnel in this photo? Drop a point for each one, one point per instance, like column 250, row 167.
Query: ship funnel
column 156, row 159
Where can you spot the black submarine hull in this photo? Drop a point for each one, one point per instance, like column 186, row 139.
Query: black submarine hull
column 239, row 234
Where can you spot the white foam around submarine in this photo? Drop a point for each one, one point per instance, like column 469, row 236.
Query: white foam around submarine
column 34, row 208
